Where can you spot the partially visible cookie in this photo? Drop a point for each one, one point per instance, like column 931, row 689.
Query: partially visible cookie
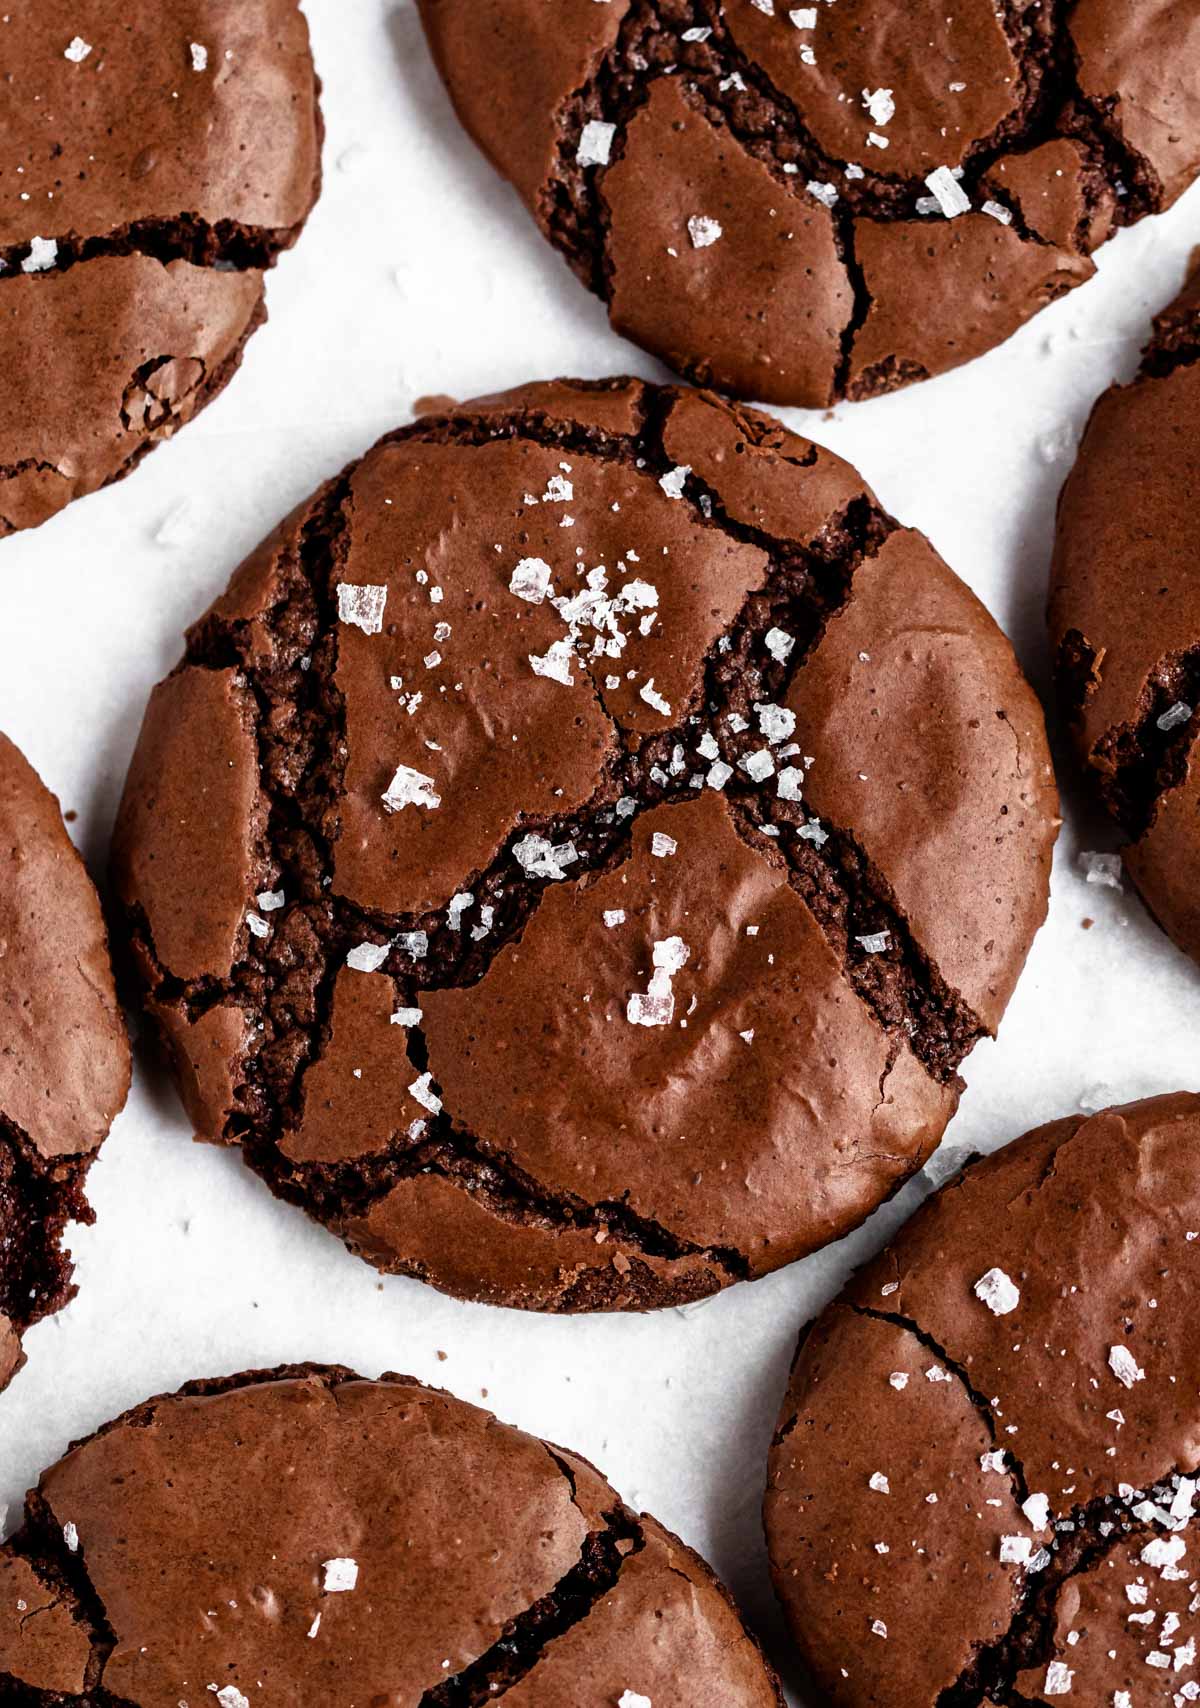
column 64, row 1056
column 155, row 158
column 1125, row 614
column 575, row 856
column 802, row 203
column 305, row 1536
column 984, row 1480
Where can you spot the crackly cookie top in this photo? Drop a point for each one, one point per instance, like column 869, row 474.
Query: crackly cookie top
column 64, row 1057
column 1125, row 613
column 154, row 159
column 984, row 1479
column 576, row 854
column 799, row 203
column 304, row 1535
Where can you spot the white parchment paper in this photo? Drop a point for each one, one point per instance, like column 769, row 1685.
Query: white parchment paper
column 419, row 274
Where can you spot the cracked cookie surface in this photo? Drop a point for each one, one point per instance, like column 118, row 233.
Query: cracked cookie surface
column 981, row 1487
column 574, row 857
column 316, row 1537
column 155, row 159
column 64, row 1056
column 1125, row 614
column 798, row 204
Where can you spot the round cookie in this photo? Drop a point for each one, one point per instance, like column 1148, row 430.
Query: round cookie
column 982, row 1483
column 64, row 1056
column 1125, row 614
column 157, row 155
column 575, row 855
column 799, row 204
column 356, row 1542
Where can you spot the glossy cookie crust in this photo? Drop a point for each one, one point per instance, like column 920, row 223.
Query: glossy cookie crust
column 155, row 158
column 64, row 1056
column 983, row 1482
column 1125, row 614
column 746, row 183
column 354, row 1542
column 602, row 915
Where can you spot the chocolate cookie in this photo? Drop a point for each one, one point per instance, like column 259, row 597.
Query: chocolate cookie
column 1125, row 614
column 64, row 1056
column 305, row 1536
column 155, row 158
column 805, row 203
column 575, row 856
column 982, row 1485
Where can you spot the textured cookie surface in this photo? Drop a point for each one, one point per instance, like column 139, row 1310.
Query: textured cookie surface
column 801, row 203
column 308, row 1537
column 983, row 1484
column 574, row 857
column 155, row 157
column 64, row 1057
column 1125, row 614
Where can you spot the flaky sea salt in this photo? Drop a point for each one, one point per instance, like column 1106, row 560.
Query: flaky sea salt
column 258, row 926
column 1124, row 1366
column 779, row 644
column 879, row 1483
column 674, row 481
column 998, row 1292
column 43, row 253
column 199, row 55
column 948, row 192
column 270, row 901
column 342, row 1574
column 409, row 788
column 1179, row 713
column 595, row 143
column 555, row 663
column 77, row 50
column 538, row 858
column 367, row 957
column 362, row 606
column 703, row 231
column 879, row 104
column 656, row 1006
column 531, row 580
column 422, row 1092
column 1058, row 1679
column 662, row 846
column 71, row 1537
column 875, row 942
column 406, row 1017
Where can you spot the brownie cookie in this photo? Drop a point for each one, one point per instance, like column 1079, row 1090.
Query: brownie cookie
column 155, row 158
column 1125, row 614
column 303, row 1535
column 805, row 203
column 64, row 1056
column 982, row 1485
column 574, row 857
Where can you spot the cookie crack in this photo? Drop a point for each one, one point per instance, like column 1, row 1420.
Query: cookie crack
column 1139, row 762
column 62, row 1570
column 39, row 1196
column 527, row 1637
column 983, row 1406
column 227, row 245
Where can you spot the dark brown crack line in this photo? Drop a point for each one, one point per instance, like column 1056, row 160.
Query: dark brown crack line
column 41, row 1542
column 526, row 1638
column 1077, row 1547
column 38, row 1197
column 736, row 94
column 227, row 244
column 981, row 1403
column 1138, row 763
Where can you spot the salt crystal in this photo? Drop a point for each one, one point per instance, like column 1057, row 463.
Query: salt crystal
column 997, row 1292
column 875, row 942
column 77, row 50
column 703, row 231
column 421, row 1090
column 43, row 253
column 1124, row 1366
column 367, row 957
column 1058, row 1679
column 595, row 143
column 409, row 788
column 362, row 606
column 199, row 55
column 879, row 104
column 1179, row 713
column 1103, row 869
column 675, row 480
column 662, row 846
column 406, row 1017
column 340, row 1574
column 948, row 192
